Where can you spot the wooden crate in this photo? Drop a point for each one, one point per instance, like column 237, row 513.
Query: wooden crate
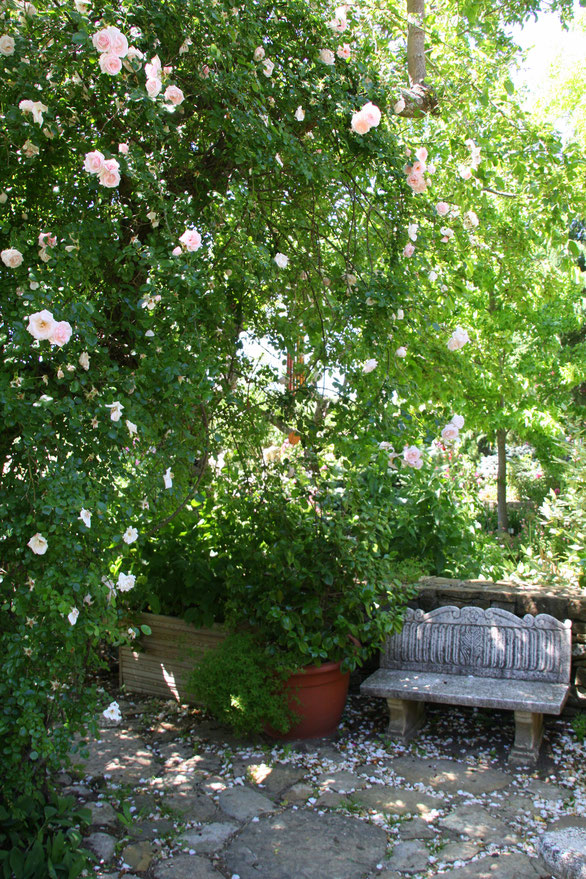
column 167, row 656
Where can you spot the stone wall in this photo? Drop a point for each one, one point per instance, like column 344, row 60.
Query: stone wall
column 567, row 603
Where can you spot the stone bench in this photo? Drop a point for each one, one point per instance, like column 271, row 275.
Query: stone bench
column 482, row 658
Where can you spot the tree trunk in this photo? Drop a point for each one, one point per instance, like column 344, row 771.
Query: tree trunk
column 501, row 480
column 419, row 98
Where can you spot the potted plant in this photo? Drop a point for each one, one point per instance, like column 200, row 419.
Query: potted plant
column 309, row 571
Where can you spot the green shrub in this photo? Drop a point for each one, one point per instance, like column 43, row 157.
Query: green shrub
column 40, row 837
column 241, row 685
column 579, row 725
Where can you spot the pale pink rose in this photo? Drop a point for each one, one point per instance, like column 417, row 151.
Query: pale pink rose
column 465, row 172
column 3, row 197
column 12, row 258
column 102, row 40
column 130, row 535
column 447, row 233
column 37, row 108
column 326, row 56
column 73, row 615
column 204, row 72
column 110, row 63
column 110, row 174
column 408, row 250
column 418, row 167
column 470, row 220
column 450, row 433
column 344, row 52
column 94, row 162
column 44, row 255
column 6, row 45
column 82, row 6
column 133, row 59
column 421, row 154
column 458, row 339
column 412, row 229
column 174, row 95
column 115, row 410
column 360, row 123
column 268, row 67
column 401, row 352
column 41, row 324
column 84, row 360
column 372, row 113
column 30, row 149
column 167, row 71
column 86, row 517
column 458, row 420
column 118, row 42
column 281, row 260
column 259, row 53
column 61, row 333
column 153, row 87
column 191, row 239
column 125, row 582
column 399, row 106
column 168, row 478
column 176, row 251
column 153, row 68
column 417, row 182
column 123, row 149
column 47, row 240
column 369, row 365
column 412, row 457
column 339, row 22
column 38, row 544
column 443, row 208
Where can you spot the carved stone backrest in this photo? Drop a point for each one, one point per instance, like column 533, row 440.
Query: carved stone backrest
column 489, row 643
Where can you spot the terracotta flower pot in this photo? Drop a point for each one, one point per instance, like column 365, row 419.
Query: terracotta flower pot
column 317, row 694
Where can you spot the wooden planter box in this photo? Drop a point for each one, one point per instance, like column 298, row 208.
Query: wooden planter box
column 167, row 657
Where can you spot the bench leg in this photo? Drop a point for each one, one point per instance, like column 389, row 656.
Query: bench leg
column 406, row 718
column 528, row 735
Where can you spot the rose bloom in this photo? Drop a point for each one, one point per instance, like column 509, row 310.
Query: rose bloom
column 450, row 433
column 93, row 162
column 111, row 39
column 132, row 428
column 73, row 615
column 412, row 457
column 191, row 239
column 3, row 197
column 86, row 517
column 110, row 63
column 458, row 339
column 408, row 250
column 153, row 68
column 41, row 324
column 109, row 174
column 281, row 260
column 38, row 544
column 61, row 333
column 471, row 220
column 465, row 172
column 401, row 352
column 133, row 59
column 447, row 233
column 339, row 23
column 399, row 106
column 115, row 410
column 123, row 149
column 30, row 149
column 268, row 67
column 372, row 113
column 344, row 52
column 299, row 114
column 11, row 257
column 126, row 582
column 417, row 182
column 82, row 6
column 176, row 251
column 47, row 240
column 130, row 535
column 369, row 365
column 421, row 154
column 174, row 95
column 153, row 87
column 84, row 360
column 360, row 123
column 458, row 420
column 443, row 208
column 259, row 53
column 6, row 45
column 112, row 712
column 37, row 108
column 168, row 478
column 326, row 56
column 412, row 231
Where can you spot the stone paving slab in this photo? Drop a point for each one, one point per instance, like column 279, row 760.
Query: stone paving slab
column 505, row 866
column 564, row 852
column 192, row 806
column 395, row 801
column 409, row 857
column 305, row 845
column 243, row 803
column 121, row 754
column 450, row 776
column 208, row 838
column 476, row 823
column 186, row 867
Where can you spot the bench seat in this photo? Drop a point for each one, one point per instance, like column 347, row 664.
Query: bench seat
column 511, row 695
column 480, row 658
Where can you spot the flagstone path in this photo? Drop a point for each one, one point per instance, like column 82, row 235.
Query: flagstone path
column 174, row 796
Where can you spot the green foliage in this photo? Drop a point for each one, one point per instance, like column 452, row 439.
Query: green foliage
column 309, row 561
column 40, row 838
column 242, row 685
column 579, row 725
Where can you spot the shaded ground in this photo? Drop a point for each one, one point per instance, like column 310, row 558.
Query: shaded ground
column 175, row 796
